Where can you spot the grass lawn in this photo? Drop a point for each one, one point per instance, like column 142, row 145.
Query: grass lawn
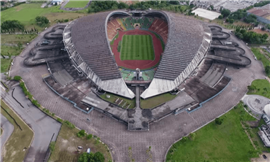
column 26, row 13
column 262, row 88
column 260, row 56
column 76, row 4
column 17, row 38
column 137, row 47
column 68, row 142
column 5, row 65
column 55, row 17
column 225, row 142
column 19, row 139
column 155, row 101
column 10, row 50
column 113, row 98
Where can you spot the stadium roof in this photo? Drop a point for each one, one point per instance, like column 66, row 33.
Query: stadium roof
column 188, row 42
column 87, row 43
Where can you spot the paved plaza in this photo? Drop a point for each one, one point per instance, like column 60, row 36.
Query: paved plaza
column 256, row 104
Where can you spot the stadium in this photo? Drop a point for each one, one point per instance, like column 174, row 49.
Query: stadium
column 114, row 61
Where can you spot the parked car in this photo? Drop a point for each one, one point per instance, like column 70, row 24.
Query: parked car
column 88, row 151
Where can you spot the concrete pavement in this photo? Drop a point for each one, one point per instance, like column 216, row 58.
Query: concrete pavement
column 44, row 127
column 7, row 131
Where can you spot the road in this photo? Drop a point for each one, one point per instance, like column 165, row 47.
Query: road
column 43, row 126
column 7, row 131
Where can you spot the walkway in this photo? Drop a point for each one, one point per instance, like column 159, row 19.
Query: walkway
column 7, row 131
column 44, row 127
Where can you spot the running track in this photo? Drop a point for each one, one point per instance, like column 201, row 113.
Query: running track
column 141, row 64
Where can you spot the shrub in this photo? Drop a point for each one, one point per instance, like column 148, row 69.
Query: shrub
column 52, row 146
column 218, row 121
column 89, row 136
column 252, row 88
column 59, row 120
column 69, row 124
column 17, row 78
column 35, row 102
column 184, row 139
column 81, row 133
column 191, row 136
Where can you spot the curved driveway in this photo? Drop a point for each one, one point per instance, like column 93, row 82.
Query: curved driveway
column 7, row 131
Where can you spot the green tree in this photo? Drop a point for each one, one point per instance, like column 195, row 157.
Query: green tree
column 225, row 12
column 98, row 157
column 42, row 20
column 267, row 70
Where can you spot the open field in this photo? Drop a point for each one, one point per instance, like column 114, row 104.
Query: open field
column 76, row 4
column 137, row 47
column 260, row 56
column 26, row 13
column 113, row 98
column 225, row 142
column 262, row 88
column 68, row 142
column 155, row 101
column 19, row 139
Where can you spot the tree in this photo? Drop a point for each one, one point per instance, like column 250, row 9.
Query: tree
column 11, row 26
column 212, row 7
column 218, row 121
column 42, row 20
column 225, row 12
column 98, row 157
column 267, row 70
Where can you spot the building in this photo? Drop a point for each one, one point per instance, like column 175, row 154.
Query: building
column 262, row 13
column 56, row 2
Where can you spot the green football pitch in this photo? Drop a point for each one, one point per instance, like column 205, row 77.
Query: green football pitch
column 137, row 47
